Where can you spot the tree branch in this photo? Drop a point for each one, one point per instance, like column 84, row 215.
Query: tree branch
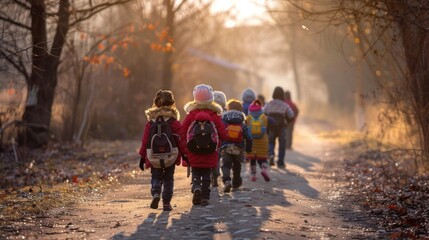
column 15, row 23
column 89, row 12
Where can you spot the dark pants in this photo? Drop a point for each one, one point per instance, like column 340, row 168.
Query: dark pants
column 289, row 135
column 232, row 162
column 163, row 177
column 273, row 134
column 201, row 179
column 215, row 171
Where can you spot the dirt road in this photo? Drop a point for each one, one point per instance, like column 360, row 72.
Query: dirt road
column 302, row 201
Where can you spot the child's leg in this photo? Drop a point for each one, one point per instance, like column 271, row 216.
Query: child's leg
column 196, row 178
column 205, row 183
column 226, row 167
column 253, row 169
column 156, row 181
column 216, row 172
column 236, row 171
column 196, row 185
column 167, row 193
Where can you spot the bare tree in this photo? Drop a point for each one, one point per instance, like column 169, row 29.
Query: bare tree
column 390, row 29
column 47, row 46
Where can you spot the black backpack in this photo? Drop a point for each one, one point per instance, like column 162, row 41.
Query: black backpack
column 161, row 148
column 202, row 137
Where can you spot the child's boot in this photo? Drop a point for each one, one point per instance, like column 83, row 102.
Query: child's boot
column 227, row 187
column 264, row 172
column 155, row 201
column 166, row 206
column 271, row 159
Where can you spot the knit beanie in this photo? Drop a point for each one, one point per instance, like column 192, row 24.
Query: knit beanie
column 220, row 98
column 279, row 93
column 248, row 95
column 234, row 104
column 255, row 106
column 203, row 93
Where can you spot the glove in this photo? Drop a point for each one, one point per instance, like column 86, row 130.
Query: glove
column 142, row 163
column 185, row 161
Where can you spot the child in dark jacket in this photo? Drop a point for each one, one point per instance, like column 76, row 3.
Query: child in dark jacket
column 282, row 113
column 202, row 110
column 237, row 139
column 163, row 110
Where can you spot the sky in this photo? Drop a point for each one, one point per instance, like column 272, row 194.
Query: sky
column 250, row 12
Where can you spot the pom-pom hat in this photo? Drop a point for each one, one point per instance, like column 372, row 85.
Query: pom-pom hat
column 203, row 93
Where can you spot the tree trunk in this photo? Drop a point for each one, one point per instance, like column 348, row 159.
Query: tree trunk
column 293, row 59
column 413, row 22
column 167, row 71
column 43, row 79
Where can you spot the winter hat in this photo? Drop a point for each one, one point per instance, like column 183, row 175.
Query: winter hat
column 255, row 106
column 220, row 98
column 248, row 95
column 234, row 104
column 163, row 98
column 203, row 93
column 279, row 93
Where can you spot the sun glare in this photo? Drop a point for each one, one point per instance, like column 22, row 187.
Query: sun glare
column 243, row 12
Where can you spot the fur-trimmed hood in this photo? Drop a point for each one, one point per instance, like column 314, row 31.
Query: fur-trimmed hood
column 190, row 106
column 154, row 112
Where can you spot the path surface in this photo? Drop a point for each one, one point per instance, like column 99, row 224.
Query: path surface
column 300, row 202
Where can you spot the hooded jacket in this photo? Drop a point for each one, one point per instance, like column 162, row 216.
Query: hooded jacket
column 203, row 111
column 247, row 97
column 167, row 113
column 237, row 117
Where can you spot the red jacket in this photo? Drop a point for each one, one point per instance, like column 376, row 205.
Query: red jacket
column 166, row 112
column 213, row 110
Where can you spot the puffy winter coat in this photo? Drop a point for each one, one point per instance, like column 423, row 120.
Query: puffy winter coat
column 260, row 145
column 237, row 117
column 166, row 112
column 212, row 112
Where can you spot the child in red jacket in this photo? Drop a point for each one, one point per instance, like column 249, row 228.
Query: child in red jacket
column 161, row 148
column 203, row 129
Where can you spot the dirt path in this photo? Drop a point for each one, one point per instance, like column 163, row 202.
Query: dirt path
column 300, row 202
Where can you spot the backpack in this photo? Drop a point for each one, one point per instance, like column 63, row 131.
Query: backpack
column 161, row 148
column 234, row 132
column 257, row 128
column 202, row 137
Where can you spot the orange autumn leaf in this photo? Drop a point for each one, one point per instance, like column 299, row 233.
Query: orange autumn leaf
column 100, row 46
column 132, row 28
column 150, row 27
column 114, row 47
column 110, row 60
column 126, row 72
column 86, row 58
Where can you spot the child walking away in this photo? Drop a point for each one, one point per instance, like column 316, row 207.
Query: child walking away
column 219, row 98
column 281, row 113
column 257, row 123
column 203, row 129
column 237, row 139
column 247, row 97
column 161, row 148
